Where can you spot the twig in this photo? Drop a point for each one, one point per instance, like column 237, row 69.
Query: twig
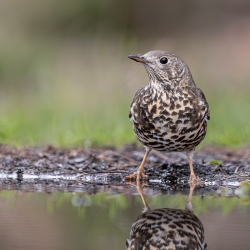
column 162, row 156
column 119, row 167
column 122, row 156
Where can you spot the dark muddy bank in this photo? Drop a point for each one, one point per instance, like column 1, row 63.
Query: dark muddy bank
column 105, row 169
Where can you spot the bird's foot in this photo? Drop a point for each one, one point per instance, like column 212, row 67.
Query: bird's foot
column 135, row 183
column 140, row 174
column 192, row 185
column 194, row 181
column 192, row 178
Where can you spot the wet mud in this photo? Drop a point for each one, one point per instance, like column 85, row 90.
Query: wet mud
column 94, row 170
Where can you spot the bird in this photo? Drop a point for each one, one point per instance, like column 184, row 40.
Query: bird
column 170, row 112
column 167, row 228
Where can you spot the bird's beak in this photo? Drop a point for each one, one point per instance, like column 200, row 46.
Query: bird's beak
column 137, row 58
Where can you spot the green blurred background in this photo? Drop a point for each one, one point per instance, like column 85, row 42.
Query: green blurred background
column 65, row 78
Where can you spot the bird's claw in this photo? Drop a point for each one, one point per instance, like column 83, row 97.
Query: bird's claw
column 194, row 181
column 140, row 174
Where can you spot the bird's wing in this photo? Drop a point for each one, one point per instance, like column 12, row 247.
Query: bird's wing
column 203, row 103
column 134, row 103
column 139, row 107
column 199, row 105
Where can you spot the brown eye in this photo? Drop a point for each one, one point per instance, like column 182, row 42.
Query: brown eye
column 164, row 60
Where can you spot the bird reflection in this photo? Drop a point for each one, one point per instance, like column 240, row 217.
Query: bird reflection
column 167, row 228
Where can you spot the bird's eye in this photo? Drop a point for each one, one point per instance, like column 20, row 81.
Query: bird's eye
column 164, row 60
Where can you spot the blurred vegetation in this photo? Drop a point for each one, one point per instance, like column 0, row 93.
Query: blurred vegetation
column 65, row 78
column 117, row 203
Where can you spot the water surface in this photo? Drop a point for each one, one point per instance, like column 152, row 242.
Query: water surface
column 102, row 219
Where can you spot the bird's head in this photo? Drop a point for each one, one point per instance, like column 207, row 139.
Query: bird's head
column 164, row 68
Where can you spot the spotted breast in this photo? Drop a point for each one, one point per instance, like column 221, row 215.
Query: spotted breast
column 169, row 119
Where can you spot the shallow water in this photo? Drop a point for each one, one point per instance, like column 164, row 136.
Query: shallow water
column 103, row 220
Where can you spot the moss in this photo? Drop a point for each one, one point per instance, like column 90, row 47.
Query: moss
column 215, row 162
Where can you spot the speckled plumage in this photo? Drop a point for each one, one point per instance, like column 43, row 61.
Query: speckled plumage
column 169, row 113
column 167, row 228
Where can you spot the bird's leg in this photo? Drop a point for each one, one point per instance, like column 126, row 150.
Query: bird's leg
column 139, row 187
column 189, row 205
column 140, row 171
column 192, row 178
